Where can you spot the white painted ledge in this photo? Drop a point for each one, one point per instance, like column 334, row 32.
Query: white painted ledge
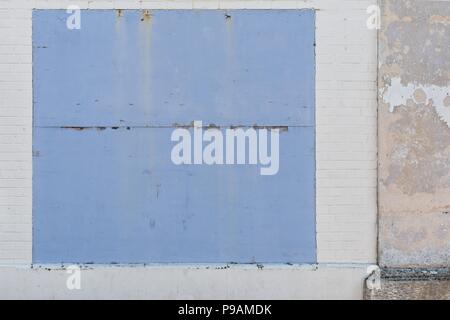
column 187, row 282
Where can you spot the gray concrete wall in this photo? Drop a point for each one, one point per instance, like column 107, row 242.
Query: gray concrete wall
column 414, row 134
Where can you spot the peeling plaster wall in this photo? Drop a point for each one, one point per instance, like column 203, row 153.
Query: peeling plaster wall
column 414, row 134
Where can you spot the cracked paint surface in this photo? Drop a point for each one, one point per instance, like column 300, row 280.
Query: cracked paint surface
column 397, row 94
column 414, row 134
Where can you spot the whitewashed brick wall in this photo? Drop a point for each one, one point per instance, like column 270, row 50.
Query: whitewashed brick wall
column 346, row 121
column 15, row 133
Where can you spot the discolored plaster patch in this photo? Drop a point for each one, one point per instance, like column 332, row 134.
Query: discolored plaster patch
column 420, row 151
column 440, row 19
column 414, row 240
column 447, row 102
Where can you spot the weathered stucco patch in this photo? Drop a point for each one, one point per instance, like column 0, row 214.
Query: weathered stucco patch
column 414, row 133
column 415, row 36
column 415, row 240
column 420, row 154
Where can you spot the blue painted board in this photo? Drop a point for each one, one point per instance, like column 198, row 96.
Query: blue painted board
column 115, row 196
column 257, row 67
column 107, row 98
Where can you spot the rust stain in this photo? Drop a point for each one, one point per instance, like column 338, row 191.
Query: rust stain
column 281, row 128
column 238, row 126
column 146, row 16
column 75, row 128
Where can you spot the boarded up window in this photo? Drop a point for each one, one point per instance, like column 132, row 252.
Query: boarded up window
column 109, row 95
